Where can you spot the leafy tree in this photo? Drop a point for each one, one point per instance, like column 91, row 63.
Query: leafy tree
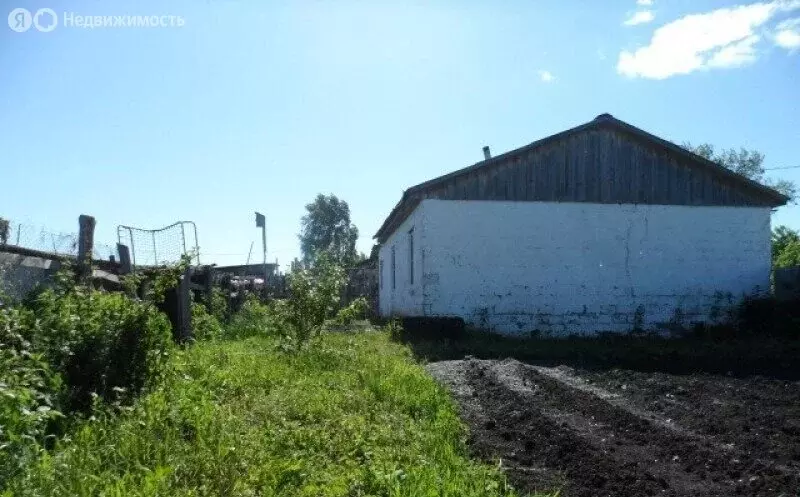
column 785, row 247
column 375, row 251
column 748, row 163
column 327, row 228
column 789, row 256
column 783, row 236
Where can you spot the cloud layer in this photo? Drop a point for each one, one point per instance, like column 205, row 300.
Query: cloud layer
column 721, row 38
column 788, row 34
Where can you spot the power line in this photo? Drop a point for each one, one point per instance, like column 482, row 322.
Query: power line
column 777, row 168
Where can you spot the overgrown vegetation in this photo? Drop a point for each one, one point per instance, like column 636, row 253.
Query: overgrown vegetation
column 96, row 400
column 352, row 415
column 354, row 311
column 785, row 247
column 28, row 397
column 66, row 350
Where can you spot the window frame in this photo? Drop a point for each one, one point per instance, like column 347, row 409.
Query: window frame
column 394, row 268
column 411, row 255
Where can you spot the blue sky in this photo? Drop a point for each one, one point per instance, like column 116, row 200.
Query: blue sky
column 260, row 106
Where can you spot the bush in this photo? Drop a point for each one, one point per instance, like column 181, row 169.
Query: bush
column 315, row 294
column 28, row 394
column 218, row 305
column 789, row 256
column 205, row 326
column 255, row 319
column 356, row 310
column 103, row 343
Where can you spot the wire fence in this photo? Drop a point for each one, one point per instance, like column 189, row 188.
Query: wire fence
column 31, row 236
column 160, row 246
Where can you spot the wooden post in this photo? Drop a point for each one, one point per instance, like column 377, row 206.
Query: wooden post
column 177, row 306
column 125, row 266
column 85, row 246
column 209, row 284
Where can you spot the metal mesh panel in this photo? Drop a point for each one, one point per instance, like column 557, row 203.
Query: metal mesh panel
column 161, row 246
column 39, row 238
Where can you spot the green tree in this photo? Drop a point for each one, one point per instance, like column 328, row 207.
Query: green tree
column 748, row 163
column 782, row 236
column 785, row 247
column 789, row 256
column 327, row 228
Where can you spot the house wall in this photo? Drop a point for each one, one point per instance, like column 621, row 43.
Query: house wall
column 404, row 298
column 581, row 267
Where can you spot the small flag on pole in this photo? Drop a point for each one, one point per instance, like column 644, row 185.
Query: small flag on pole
column 261, row 221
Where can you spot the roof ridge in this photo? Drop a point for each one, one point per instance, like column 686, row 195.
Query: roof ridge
column 603, row 120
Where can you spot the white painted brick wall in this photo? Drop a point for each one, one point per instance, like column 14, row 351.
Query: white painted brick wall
column 405, row 299
column 576, row 267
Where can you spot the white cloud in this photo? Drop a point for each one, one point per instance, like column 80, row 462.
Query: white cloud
column 639, row 17
column 644, row 3
column 788, row 34
column 736, row 54
column 721, row 38
column 546, row 76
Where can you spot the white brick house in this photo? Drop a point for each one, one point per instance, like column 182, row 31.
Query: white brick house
column 602, row 227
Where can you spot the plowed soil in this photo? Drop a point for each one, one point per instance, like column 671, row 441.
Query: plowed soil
column 624, row 433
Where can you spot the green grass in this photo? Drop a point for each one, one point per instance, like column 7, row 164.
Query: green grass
column 351, row 415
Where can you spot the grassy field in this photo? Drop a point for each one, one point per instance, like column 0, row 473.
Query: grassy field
column 350, row 415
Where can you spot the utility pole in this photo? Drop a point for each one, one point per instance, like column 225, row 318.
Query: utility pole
column 261, row 222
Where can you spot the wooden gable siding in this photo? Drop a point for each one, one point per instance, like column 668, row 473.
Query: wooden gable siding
column 598, row 165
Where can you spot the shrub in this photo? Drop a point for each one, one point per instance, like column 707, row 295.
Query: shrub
column 218, row 305
column 205, row 326
column 103, row 343
column 28, row 395
column 789, row 256
column 356, row 310
column 314, row 297
column 255, row 319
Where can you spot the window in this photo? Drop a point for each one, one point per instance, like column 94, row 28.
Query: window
column 380, row 274
column 394, row 269
column 411, row 254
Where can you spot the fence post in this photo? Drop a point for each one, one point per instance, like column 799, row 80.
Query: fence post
column 124, row 259
column 85, row 245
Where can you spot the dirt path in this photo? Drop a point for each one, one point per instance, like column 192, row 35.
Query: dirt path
column 554, row 428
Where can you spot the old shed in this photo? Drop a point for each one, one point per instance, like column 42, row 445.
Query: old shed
column 602, row 227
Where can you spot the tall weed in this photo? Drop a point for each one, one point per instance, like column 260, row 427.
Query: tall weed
column 101, row 343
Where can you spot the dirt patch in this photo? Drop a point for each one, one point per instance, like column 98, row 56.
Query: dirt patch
column 622, row 433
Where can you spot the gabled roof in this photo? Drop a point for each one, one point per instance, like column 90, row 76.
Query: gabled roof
column 413, row 195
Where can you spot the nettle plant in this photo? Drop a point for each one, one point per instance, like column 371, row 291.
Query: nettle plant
column 29, row 391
